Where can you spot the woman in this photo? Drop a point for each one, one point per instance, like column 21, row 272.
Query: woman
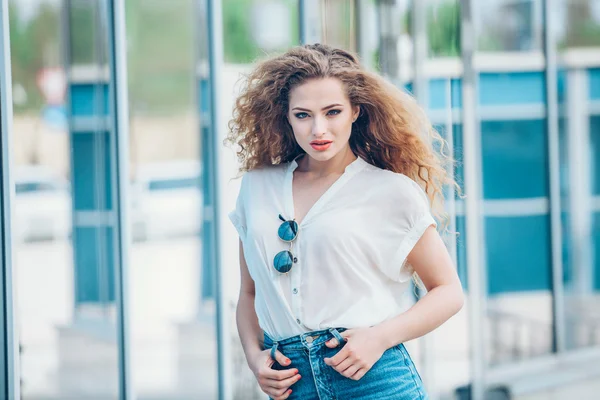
column 334, row 220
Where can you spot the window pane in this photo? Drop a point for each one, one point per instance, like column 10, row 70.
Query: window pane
column 63, row 249
column 510, row 26
column 578, row 41
column 172, row 314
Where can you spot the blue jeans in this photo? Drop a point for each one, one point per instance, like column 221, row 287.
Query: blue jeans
column 393, row 376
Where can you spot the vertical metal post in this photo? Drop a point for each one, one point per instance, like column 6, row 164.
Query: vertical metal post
column 550, row 50
column 120, row 160
column 202, row 93
column 309, row 22
column 580, row 190
column 475, row 250
column 215, row 59
column 388, row 23
column 451, row 192
column 9, row 353
column 419, row 36
column 361, row 20
column 421, row 92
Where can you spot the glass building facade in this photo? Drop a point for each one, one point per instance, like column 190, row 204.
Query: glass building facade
column 120, row 271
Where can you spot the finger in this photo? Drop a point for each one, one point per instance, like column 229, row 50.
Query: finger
column 273, row 374
column 284, row 396
column 350, row 371
column 338, row 358
column 344, row 365
column 281, row 359
column 359, row 374
column 283, row 384
column 333, row 342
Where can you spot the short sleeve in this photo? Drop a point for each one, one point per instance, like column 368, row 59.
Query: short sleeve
column 238, row 215
column 412, row 219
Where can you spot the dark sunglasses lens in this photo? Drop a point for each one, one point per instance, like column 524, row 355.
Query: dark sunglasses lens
column 283, row 261
column 288, row 231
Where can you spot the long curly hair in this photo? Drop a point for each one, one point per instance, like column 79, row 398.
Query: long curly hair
column 392, row 131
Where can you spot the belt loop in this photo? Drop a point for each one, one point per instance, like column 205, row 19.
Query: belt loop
column 273, row 350
column 337, row 335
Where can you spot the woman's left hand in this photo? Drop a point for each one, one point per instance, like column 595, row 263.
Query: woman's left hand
column 362, row 350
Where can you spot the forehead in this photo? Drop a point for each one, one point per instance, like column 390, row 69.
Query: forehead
column 317, row 92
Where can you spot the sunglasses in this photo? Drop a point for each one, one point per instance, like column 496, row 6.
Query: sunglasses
column 288, row 232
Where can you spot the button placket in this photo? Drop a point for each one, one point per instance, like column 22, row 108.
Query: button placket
column 295, row 284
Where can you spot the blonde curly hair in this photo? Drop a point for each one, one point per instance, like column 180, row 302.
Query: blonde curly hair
column 392, row 131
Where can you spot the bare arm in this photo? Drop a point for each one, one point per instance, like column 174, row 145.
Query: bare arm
column 274, row 383
column 444, row 297
column 247, row 323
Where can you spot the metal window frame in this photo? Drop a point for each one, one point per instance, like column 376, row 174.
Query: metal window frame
column 552, row 115
column 9, row 349
column 309, row 23
column 119, row 110
column 223, row 329
column 420, row 86
column 476, row 264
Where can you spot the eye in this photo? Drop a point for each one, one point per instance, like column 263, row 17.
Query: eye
column 334, row 112
column 301, row 115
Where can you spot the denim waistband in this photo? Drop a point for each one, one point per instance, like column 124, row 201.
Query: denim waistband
column 304, row 340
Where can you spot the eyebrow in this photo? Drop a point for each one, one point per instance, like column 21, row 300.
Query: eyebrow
column 323, row 109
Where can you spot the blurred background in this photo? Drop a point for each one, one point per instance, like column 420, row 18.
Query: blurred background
column 125, row 267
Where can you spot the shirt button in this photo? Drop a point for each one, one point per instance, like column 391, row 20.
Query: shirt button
column 295, row 290
column 297, row 320
column 295, row 259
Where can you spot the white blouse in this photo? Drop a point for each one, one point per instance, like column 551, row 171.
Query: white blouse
column 351, row 247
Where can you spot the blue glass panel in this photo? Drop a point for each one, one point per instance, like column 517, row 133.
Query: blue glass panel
column 595, row 153
column 518, row 253
column 512, row 88
column 437, row 94
column 515, row 161
column 461, row 250
column 456, row 88
column 561, row 83
column 459, row 173
column 594, row 82
column 94, row 264
column 89, row 99
column 596, row 249
column 91, row 171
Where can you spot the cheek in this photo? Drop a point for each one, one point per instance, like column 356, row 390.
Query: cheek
column 300, row 130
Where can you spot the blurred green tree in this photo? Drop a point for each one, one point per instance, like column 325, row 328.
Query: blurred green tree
column 443, row 28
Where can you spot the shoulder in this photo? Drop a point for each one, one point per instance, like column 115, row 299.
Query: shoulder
column 394, row 185
column 263, row 175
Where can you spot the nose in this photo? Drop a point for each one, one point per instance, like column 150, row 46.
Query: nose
column 319, row 127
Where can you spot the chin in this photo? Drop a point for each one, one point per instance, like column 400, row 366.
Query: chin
column 321, row 155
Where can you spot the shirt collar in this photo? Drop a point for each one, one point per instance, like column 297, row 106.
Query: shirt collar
column 354, row 166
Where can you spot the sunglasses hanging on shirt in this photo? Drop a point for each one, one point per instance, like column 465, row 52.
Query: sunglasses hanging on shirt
column 288, row 232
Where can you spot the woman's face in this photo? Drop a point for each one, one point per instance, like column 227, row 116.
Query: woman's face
column 321, row 117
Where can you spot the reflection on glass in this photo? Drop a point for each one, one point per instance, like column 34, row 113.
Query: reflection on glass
column 253, row 27
column 172, row 319
column 578, row 42
column 339, row 28
column 517, row 230
column 62, row 248
column 510, row 25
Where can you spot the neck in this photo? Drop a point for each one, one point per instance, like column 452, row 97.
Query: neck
column 335, row 165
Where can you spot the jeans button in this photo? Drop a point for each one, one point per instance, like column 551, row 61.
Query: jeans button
column 309, row 339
